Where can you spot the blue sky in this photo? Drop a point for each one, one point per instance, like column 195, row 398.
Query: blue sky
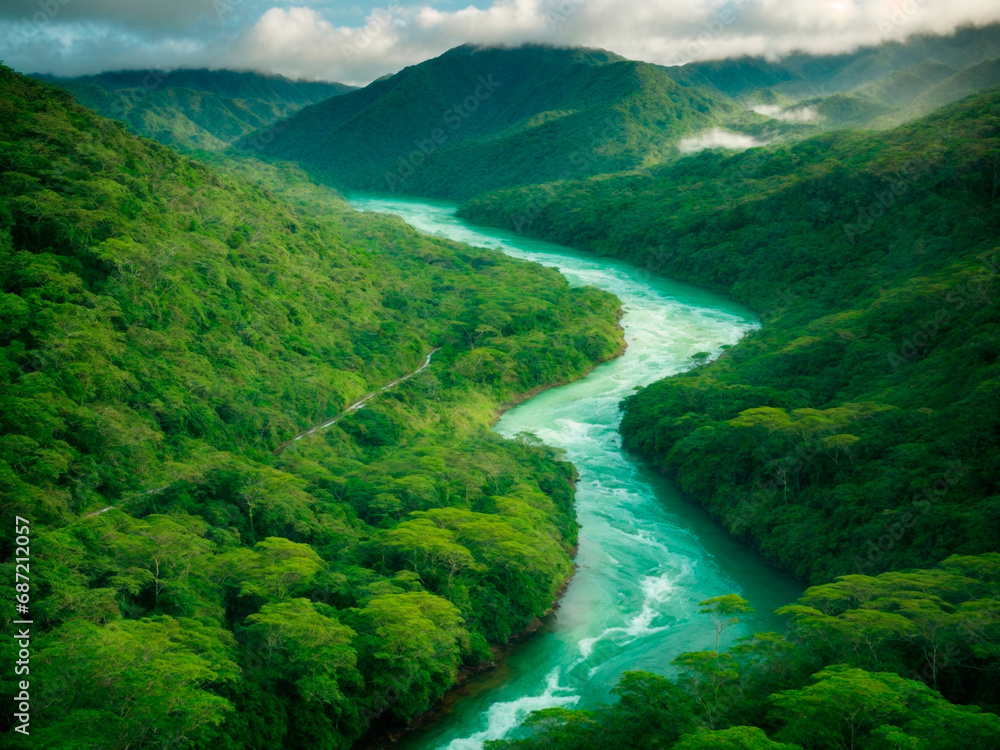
column 356, row 42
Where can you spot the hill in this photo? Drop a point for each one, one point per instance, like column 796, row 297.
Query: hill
column 803, row 76
column 874, row 87
column 195, row 108
column 477, row 118
column 874, row 377
column 166, row 329
column 855, row 438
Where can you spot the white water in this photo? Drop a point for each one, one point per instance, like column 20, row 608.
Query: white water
column 647, row 556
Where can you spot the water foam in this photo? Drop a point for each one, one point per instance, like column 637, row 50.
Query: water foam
column 501, row 718
column 656, row 591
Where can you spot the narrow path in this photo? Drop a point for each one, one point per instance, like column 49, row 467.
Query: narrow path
column 352, row 408
column 359, row 404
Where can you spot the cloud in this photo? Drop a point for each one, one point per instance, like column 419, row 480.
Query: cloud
column 718, row 138
column 795, row 114
column 327, row 40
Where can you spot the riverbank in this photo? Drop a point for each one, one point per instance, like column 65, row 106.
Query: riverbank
column 645, row 557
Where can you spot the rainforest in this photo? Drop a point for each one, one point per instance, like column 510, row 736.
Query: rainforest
column 526, row 395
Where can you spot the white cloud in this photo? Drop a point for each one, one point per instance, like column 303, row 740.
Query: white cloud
column 796, row 114
column 718, row 138
column 304, row 40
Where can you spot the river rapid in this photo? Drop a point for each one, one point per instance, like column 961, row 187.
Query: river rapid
column 647, row 555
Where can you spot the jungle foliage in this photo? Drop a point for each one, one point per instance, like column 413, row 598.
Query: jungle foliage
column 869, row 663
column 859, row 429
column 167, row 328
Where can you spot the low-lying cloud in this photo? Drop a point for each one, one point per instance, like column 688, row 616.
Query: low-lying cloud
column 718, row 138
column 795, row 114
column 330, row 41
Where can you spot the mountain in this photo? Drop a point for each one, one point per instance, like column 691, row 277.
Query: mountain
column 961, row 84
column 854, row 438
column 167, row 328
column 882, row 103
column 805, row 76
column 874, row 88
column 195, row 108
column 479, row 118
column 873, row 259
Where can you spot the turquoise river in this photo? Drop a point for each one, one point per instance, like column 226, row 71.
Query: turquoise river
column 647, row 555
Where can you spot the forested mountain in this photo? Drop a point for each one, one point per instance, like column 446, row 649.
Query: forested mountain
column 482, row 118
column 868, row 404
column 874, row 87
column 194, row 108
column 802, row 76
column 167, row 328
column 478, row 118
column 855, row 438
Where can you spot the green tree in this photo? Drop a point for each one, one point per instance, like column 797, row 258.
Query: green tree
column 733, row 738
column 724, row 610
column 305, row 643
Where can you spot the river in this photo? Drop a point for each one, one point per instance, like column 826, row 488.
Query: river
column 647, row 555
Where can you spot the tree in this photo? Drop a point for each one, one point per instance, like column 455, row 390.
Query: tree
column 733, row 738
column 841, row 708
column 305, row 643
column 723, row 611
column 711, row 679
column 139, row 683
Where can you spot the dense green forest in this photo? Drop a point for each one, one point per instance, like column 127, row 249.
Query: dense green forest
column 855, row 438
column 863, row 666
column 194, row 108
column 167, row 327
column 859, row 430
column 483, row 118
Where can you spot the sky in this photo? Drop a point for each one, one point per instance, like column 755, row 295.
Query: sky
column 356, row 42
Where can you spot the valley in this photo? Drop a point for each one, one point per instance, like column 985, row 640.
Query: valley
column 528, row 396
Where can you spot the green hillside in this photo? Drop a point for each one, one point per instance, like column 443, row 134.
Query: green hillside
column 868, row 403
column 875, row 87
column 167, row 328
column 855, row 438
column 476, row 118
column 803, row 76
column 965, row 82
column 884, row 103
column 192, row 108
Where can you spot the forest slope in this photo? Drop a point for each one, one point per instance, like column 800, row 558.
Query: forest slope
column 166, row 326
column 478, row 118
column 194, row 108
column 859, row 430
